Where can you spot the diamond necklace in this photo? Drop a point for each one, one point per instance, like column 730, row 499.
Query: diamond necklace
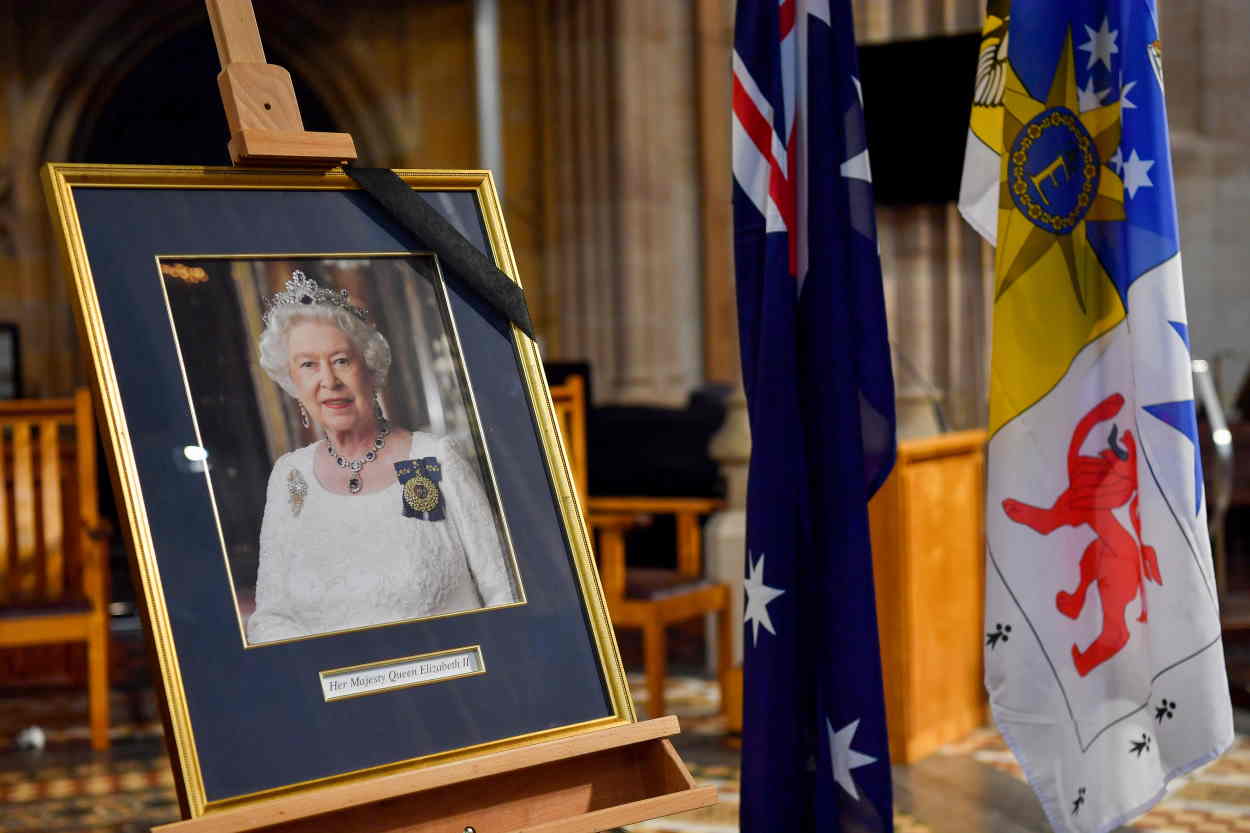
column 353, row 482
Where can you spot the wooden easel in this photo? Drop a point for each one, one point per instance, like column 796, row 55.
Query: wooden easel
column 579, row 784
column 265, row 124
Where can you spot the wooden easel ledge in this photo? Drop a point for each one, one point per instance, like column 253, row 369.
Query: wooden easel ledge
column 581, row 784
column 265, row 123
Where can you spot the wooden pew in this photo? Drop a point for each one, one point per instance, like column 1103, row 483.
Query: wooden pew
column 53, row 554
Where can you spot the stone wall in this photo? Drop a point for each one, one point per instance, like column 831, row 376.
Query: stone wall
column 623, row 234
column 937, row 272
column 616, row 152
column 878, row 21
column 1206, row 68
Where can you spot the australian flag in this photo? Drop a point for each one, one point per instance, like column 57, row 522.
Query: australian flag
column 816, row 367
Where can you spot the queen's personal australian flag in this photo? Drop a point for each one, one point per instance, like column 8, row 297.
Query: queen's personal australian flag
column 1097, row 551
column 816, row 367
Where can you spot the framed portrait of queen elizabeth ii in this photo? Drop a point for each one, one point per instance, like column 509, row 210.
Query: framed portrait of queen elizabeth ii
column 361, row 520
column 356, row 539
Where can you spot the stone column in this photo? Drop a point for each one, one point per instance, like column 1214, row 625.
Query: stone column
column 1207, row 82
column 657, row 142
column 909, row 274
column 969, row 285
column 936, row 283
column 878, row 21
column 623, row 196
column 714, row 22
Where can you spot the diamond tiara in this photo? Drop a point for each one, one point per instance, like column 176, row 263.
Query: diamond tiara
column 304, row 291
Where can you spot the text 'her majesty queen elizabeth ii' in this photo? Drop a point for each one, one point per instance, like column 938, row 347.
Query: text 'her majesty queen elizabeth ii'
column 374, row 523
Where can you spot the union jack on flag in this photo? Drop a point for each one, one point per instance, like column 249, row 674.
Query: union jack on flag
column 816, row 368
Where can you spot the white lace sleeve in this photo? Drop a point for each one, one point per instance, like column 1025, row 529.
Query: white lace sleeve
column 470, row 511
column 273, row 618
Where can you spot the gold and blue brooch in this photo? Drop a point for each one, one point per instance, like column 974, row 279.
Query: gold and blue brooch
column 422, row 497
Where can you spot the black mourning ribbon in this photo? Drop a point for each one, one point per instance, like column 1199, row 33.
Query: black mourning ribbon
column 469, row 264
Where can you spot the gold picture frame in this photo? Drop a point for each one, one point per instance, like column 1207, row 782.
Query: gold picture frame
column 111, row 219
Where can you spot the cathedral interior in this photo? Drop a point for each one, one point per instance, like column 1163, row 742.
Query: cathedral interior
column 606, row 126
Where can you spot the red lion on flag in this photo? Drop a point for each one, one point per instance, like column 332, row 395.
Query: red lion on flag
column 1116, row 560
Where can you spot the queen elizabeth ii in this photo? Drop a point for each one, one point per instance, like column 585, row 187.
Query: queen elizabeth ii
column 373, row 523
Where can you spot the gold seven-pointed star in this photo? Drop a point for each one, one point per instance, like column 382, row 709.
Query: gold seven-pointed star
column 1023, row 242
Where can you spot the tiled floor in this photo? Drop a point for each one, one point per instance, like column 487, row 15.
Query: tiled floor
column 1213, row 798
column 973, row 786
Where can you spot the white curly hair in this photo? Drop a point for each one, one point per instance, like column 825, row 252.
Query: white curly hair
column 275, row 355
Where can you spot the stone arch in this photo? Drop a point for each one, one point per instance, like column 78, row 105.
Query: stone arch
column 94, row 59
column 56, row 106
column 50, row 92
column 117, row 35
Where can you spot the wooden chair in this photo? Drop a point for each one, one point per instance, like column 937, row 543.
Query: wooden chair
column 53, row 555
column 647, row 599
column 569, row 399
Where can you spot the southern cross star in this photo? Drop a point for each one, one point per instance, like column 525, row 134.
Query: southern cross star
column 1116, row 162
column 1125, row 89
column 1136, row 173
column 857, row 166
column 844, row 757
column 1101, row 45
column 1089, row 98
column 1182, row 416
column 758, row 597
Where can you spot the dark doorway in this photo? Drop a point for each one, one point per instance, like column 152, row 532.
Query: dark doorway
column 168, row 111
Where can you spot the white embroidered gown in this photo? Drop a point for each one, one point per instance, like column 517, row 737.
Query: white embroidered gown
column 349, row 561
